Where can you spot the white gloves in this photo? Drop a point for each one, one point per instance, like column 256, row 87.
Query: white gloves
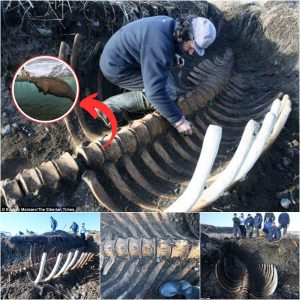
column 183, row 126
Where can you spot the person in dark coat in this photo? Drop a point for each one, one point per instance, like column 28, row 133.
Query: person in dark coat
column 257, row 223
column 139, row 57
column 267, row 226
column 236, row 226
column 74, row 228
column 274, row 233
column 269, row 215
column 284, row 222
column 249, row 222
column 53, row 223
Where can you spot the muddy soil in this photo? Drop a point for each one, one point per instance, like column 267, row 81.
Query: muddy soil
column 275, row 175
column 79, row 284
column 283, row 254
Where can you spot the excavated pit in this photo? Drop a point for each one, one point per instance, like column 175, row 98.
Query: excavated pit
column 140, row 252
column 252, row 266
column 20, row 262
column 237, row 80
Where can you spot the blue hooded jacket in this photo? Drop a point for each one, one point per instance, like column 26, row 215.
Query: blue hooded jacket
column 145, row 46
column 284, row 219
column 268, row 225
column 53, row 223
column 274, row 232
column 74, row 227
column 258, row 220
column 249, row 221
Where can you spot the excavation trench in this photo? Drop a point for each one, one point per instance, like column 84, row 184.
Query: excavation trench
column 249, row 268
column 24, row 275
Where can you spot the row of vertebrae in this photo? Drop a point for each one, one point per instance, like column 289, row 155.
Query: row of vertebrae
column 240, row 281
column 152, row 248
column 129, row 141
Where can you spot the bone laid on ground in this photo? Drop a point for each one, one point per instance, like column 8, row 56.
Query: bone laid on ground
column 207, row 157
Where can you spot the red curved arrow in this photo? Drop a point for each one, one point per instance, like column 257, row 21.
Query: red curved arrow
column 90, row 103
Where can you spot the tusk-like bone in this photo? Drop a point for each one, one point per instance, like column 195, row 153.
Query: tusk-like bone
column 285, row 110
column 214, row 191
column 82, row 257
column 72, row 261
column 57, row 263
column 65, row 265
column 276, row 107
column 42, row 267
column 195, row 188
column 258, row 146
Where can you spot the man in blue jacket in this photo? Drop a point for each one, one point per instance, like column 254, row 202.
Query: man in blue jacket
column 249, row 222
column 267, row 226
column 274, row 233
column 139, row 56
column 53, row 223
column 74, row 228
column 284, row 221
column 257, row 223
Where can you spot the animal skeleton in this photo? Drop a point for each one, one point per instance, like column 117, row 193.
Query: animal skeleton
column 218, row 99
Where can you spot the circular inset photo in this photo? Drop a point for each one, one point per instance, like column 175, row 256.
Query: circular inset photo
column 45, row 89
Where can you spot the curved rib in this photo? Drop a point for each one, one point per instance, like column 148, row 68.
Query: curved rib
column 195, row 188
column 258, row 146
column 65, row 265
column 42, row 267
column 90, row 178
column 72, row 261
column 57, row 263
column 214, row 191
column 286, row 108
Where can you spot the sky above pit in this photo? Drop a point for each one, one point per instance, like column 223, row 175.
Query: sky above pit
column 39, row 222
column 224, row 219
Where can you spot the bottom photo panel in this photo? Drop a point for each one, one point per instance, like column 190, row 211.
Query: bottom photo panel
column 50, row 255
column 150, row 256
column 250, row 255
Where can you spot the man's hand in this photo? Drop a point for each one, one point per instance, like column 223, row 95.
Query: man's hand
column 184, row 127
column 179, row 60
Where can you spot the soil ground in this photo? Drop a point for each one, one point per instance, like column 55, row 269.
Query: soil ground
column 79, row 284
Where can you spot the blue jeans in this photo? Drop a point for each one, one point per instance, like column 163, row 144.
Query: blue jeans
column 237, row 231
column 136, row 100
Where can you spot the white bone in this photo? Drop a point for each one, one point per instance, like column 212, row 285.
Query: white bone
column 82, row 257
column 65, row 265
column 258, row 146
column 286, row 107
column 42, row 267
column 72, row 261
column 222, row 182
column 195, row 188
column 57, row 263
column 274, row 281
column 275, row 108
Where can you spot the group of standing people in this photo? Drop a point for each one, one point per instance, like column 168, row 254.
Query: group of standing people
column 244, row 227
column 74, row 227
